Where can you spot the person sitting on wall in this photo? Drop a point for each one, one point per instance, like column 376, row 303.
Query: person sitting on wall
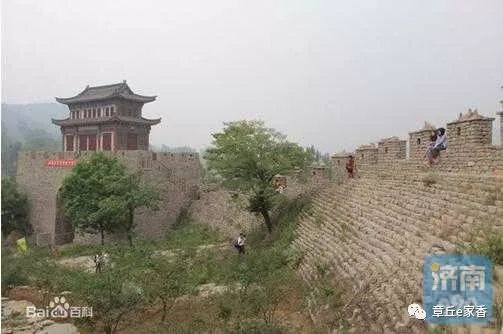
column 440, row 144
column 350, row 167
column 429, row 148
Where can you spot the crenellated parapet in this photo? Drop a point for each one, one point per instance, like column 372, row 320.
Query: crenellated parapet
column 470, row 129
column 469, row 148
column 339, row 159
column 391, row 149
column 419, row 141
column 366, row 156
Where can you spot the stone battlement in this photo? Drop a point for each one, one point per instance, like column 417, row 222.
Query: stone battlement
column 372, row 232
column 469, row 149
column 162, row 156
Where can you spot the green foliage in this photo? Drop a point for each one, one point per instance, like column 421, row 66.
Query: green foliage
column 40, row 140
column 326, row 297
column 113, row 293
column 166, row 279
column 491, row 246
column 10, row 150
column 13, row 273
column 100, row 196
column 34, row 268
column 21, row 133
column 145, row 278
column 247, row 155
column 133, row 194
column 188, row 236
column 14, row 209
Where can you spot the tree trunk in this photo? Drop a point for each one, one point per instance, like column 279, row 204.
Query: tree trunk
column 129, row 232
column 102, row 236
column 130, row 239
column 267, row 220
column 164, row 310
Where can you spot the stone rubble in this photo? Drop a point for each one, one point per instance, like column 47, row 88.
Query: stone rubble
column 15, row 321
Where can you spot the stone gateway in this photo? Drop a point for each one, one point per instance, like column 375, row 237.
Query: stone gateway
column 106, row 118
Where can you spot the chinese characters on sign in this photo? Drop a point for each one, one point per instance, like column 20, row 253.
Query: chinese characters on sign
column 457, row 288
column 60, row 163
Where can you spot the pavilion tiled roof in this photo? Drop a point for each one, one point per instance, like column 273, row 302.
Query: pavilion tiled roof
column 96, row 93
column 103, row 120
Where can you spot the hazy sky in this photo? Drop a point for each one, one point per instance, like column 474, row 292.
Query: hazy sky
column 335, row 74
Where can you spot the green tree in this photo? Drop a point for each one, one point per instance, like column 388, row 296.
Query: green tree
column 165, row 279
column 10, row 150
column 112, row 294
column 135, row 194
column 100, row 196
column 247, row 155
column 40, row 140
column 14, row 209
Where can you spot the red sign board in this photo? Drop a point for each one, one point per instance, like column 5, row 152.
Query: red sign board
column 60, row 163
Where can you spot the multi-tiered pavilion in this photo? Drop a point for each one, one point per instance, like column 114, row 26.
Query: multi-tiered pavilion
column 106, row 118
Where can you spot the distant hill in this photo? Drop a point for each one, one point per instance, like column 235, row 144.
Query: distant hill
column 18, row 119
column 28, row 127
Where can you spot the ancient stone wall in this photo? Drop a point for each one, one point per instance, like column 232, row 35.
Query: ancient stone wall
column 372, row 232
column 501, row 124
column 224, row 211
column 366, row 156
column 391, row 149
column 176, row 175
column 469, row 149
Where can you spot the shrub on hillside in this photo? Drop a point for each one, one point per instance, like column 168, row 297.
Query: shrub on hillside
column 491, row 246
column 14, row 209
column 113, row 294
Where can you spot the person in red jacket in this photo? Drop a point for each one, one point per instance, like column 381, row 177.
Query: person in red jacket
column 350, row 167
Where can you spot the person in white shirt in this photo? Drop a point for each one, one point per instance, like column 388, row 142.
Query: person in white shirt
column 240, row 243
column 433, row 151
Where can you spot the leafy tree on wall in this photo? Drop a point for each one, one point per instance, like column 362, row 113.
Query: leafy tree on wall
column 100, row 196
column 14, row 209
column 246, row 156
column 135, row 194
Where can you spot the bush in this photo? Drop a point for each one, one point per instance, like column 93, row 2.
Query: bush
column 14, row 209
column 112, row 294
column 491, row 246
column 187, row 236
column 13, row 274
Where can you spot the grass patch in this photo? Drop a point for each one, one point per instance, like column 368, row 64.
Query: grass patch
column 264, row 281
column 491, row 246
column 190, row 235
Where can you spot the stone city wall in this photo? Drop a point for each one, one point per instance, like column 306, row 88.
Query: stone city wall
column 176, row 175
column 372, row 232
column 469, row 150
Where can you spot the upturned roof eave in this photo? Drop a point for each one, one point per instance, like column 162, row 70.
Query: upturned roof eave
column 77, row 99
column 114, row 119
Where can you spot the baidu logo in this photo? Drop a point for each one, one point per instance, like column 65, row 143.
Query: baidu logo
column 59, row 308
